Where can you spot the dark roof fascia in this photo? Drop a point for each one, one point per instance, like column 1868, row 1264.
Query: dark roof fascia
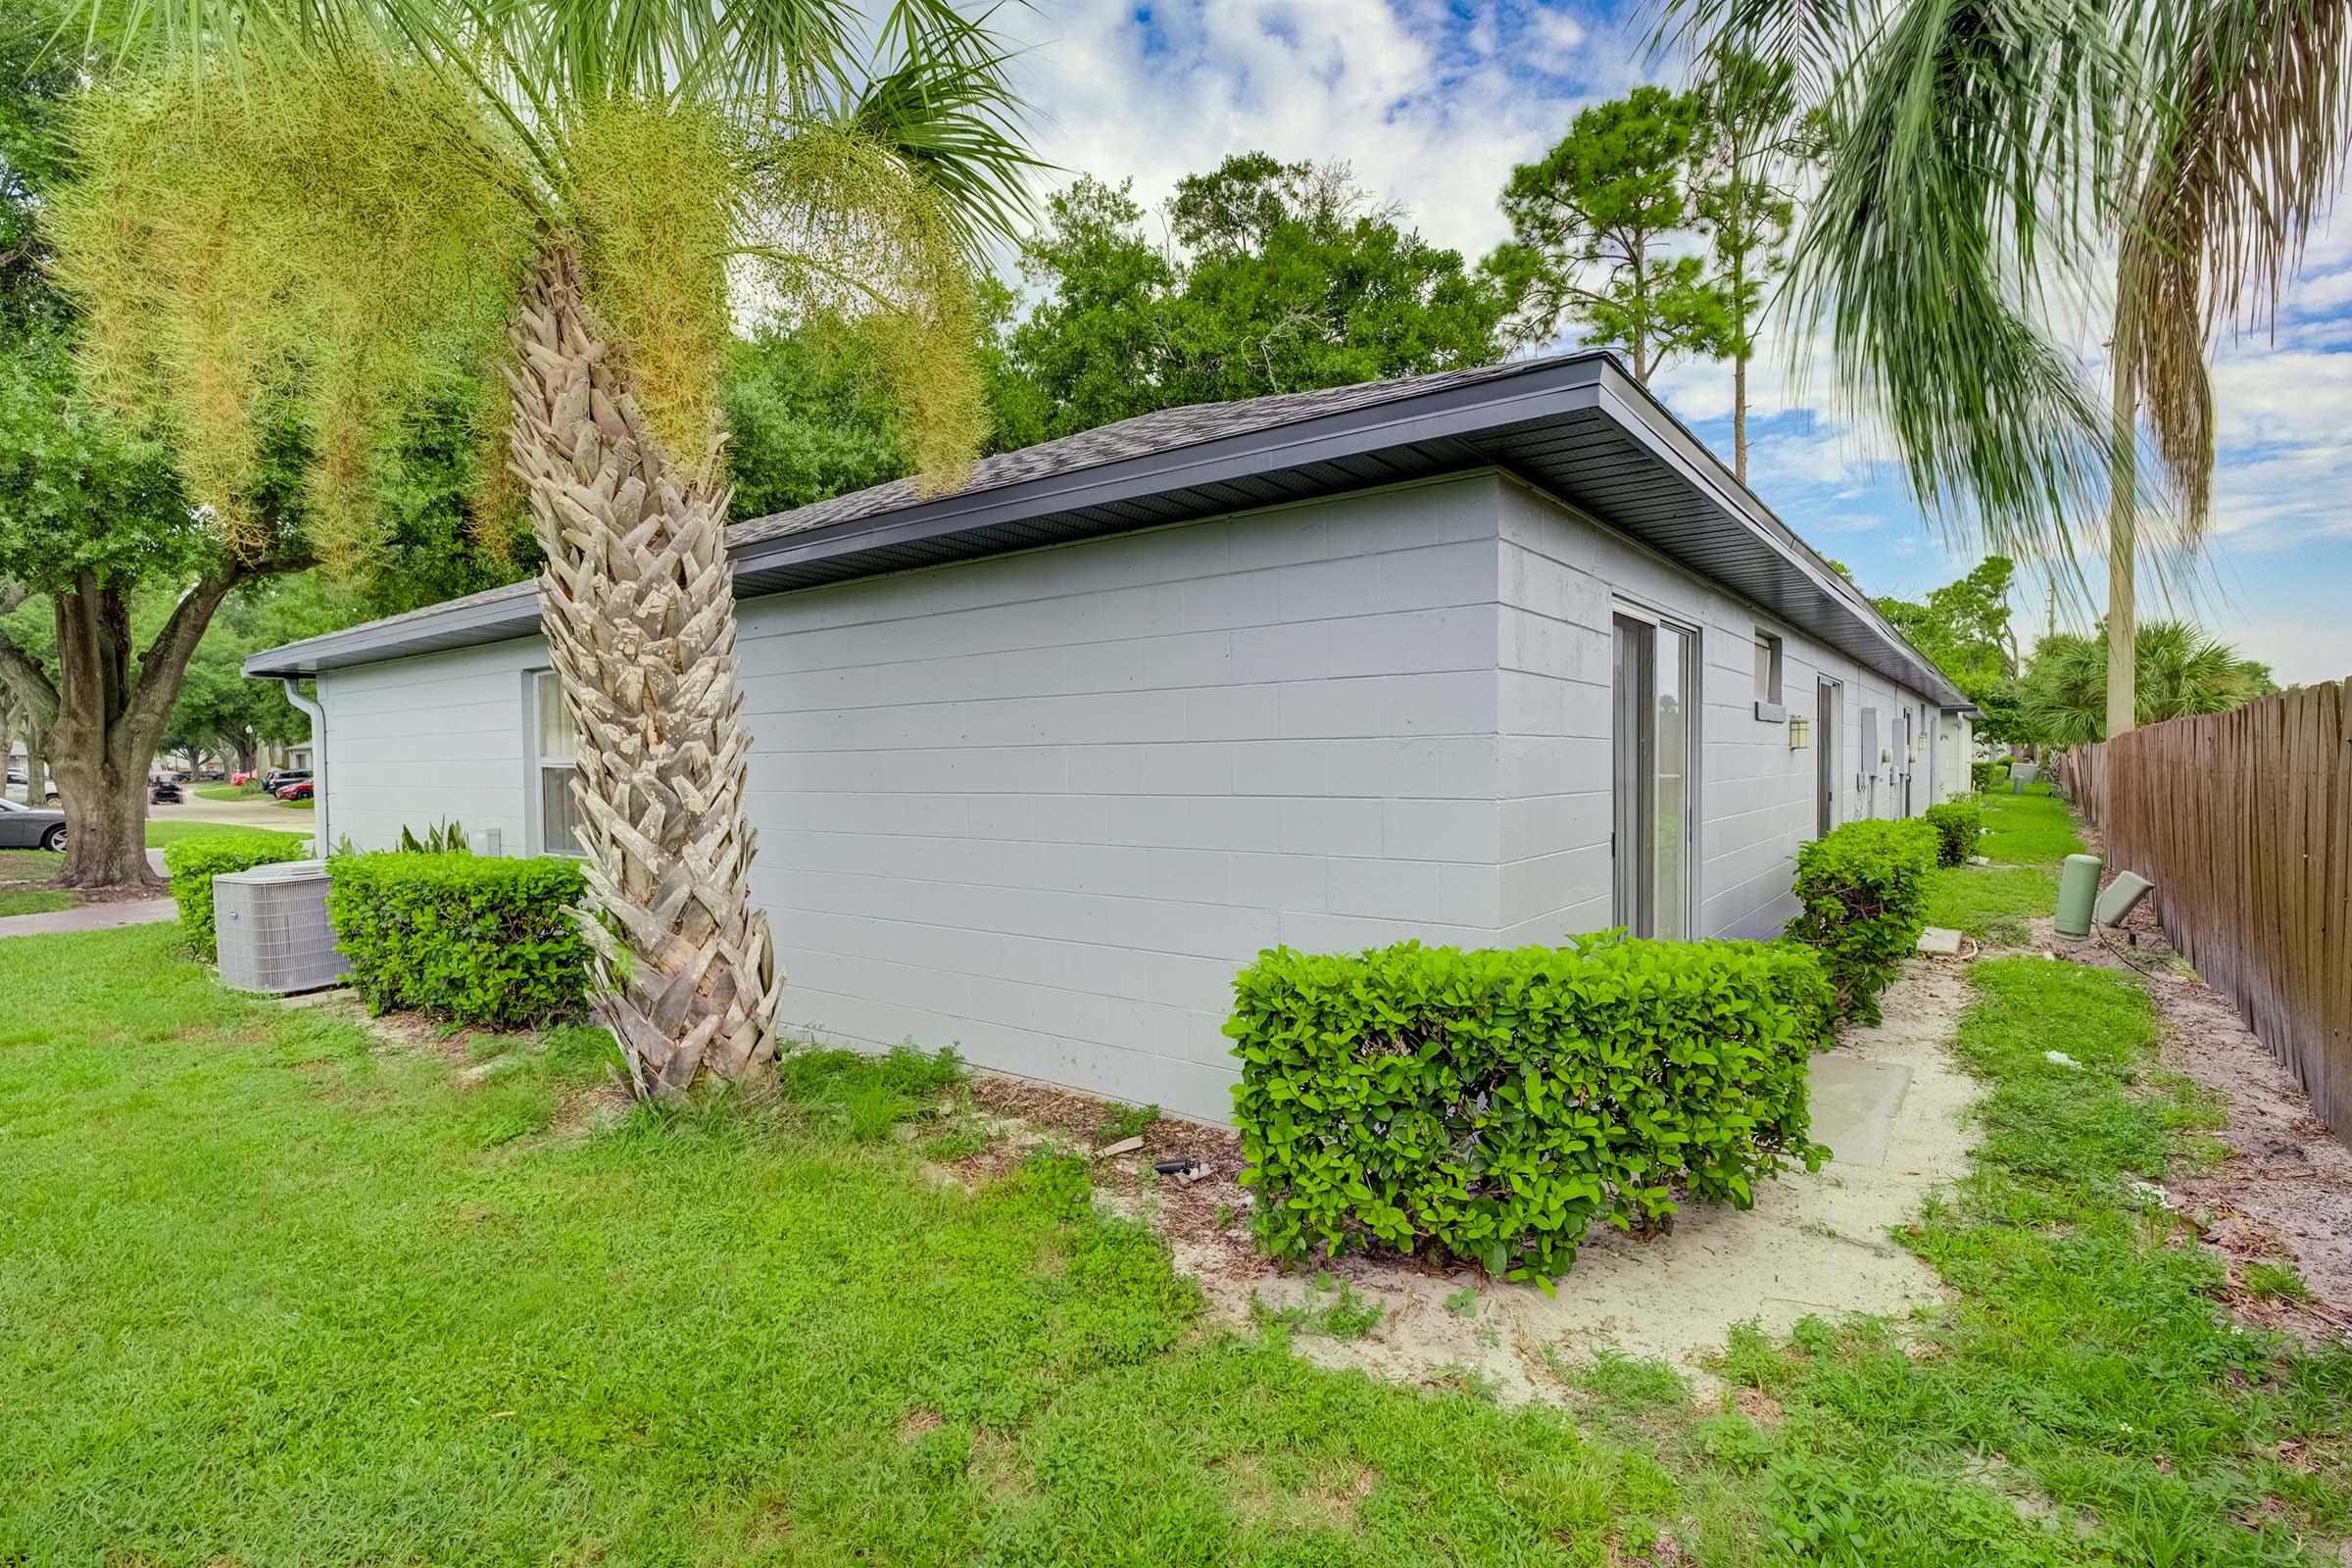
column 1671, row 440
column 1553, row 387
column 1544, row 389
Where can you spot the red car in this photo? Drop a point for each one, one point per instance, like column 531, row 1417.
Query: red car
column 296, row 791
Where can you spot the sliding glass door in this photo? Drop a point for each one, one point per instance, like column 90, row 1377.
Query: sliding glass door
column 1654, row 678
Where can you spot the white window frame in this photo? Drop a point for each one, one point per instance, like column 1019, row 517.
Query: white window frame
column 1693, row 739
column 1771, row 705
column 541, row 700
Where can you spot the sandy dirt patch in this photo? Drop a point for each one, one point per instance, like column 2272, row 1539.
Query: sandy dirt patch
column 1889, row 1102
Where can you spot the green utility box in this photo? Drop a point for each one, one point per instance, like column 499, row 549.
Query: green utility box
column 2078, row 891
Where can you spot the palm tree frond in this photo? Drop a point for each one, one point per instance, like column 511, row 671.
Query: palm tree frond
column 1957, row 130
column 1816, row 39
column 2262, row 99
column 945, row 104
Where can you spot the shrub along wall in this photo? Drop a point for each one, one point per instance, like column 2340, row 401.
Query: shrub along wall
column 192, row 864
column 474, row 939
column 1958, row 824
column 1864, row 888
column 1490, row 1106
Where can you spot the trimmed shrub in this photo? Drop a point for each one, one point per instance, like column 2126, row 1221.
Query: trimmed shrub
column 1865, row 890
column 1986, row 776
column 1492, row 1105
column 477, row 939
column 1958, row 824
column 192, row 864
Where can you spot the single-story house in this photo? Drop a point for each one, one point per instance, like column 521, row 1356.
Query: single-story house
column 1487, row 657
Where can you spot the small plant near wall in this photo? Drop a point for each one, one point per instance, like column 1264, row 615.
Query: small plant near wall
column 1958, row 824
column 1491, row 1106
column 1864, row 889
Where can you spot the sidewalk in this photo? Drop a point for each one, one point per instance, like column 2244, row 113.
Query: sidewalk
column 237, row 814
column 90, row 917
column 96, row 916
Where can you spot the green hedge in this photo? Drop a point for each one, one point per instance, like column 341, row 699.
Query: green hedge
column 474, row 939
column 1864, row 889
column 1490, row 1106
column 193, row 862
column 1958, row 824
column 1984, row 775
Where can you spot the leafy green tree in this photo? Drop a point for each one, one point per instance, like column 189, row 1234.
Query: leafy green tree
column 1603, row 239
column 1752, row 149
column 2179, row 671
column 1098, row 345
column 222, row 713
column 1963, row 626
column 1995, row 164
column 92, row 514
column 331, row 205
column 1277, row 277
column 809, row 415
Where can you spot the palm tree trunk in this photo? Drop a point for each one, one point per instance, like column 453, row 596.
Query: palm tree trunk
column 2122, row 539
column 638, row 605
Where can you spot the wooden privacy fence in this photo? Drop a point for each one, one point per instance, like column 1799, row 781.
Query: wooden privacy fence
column 2243, row 821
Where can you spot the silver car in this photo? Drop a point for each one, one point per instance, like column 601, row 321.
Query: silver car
column 22, row 827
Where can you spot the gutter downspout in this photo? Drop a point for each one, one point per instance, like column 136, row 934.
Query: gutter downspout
column 317, row 717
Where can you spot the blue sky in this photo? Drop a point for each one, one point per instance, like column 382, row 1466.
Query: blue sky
column 1433, row 101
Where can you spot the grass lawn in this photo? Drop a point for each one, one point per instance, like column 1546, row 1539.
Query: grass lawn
column 20, row 872
column 2025, row 837
column 308, row 802
column 229, row 792
column 299, row 1302
column 163, row 835
column 33, row 901
column 1991, row 902
column 2085, row 1375
column 2030, row 829
column 303, row 1301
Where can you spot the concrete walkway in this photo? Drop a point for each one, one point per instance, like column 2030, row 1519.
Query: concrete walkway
column 1889, row 1104
column 90, row 917
column 272, row 814
column 96, row 916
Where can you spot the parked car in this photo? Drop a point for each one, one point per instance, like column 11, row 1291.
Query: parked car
column 27, row 827
column 240, row 779
column 299, row 790
column 165, row 792
column 278, row 778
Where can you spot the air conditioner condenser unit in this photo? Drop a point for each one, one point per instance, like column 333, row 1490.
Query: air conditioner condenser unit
column 271, row 923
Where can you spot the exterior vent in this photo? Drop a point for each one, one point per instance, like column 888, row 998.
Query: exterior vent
column 273, row 930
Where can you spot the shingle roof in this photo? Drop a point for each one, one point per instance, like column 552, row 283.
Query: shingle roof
column 1162, row 430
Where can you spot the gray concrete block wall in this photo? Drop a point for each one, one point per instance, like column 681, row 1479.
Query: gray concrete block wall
column 1560, row 576
column 435, row 738
column 1043, row 807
